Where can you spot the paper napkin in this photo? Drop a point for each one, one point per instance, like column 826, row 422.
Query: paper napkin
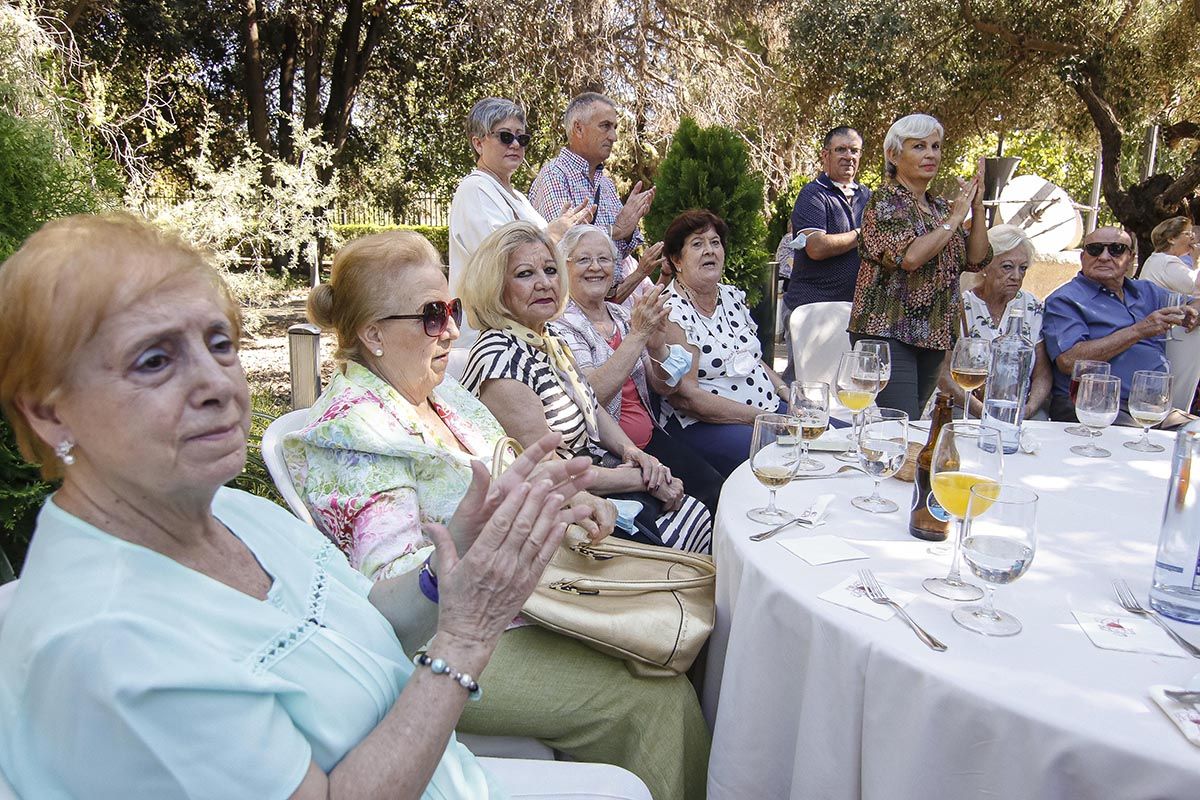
column 1185, row 715
column 850, row 594
column 1127, row 634
column 817, row 550
column 831, row 441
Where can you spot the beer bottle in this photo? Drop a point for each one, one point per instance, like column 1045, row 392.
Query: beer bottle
column 928, row 520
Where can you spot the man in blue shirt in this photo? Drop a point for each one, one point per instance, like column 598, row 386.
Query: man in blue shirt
column 1102, row 315
column 826, row 217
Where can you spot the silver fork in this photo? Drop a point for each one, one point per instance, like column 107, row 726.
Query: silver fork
column 876, row 594
column 1129, row 603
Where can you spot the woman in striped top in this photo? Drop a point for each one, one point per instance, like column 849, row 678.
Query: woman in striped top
column 513, row 286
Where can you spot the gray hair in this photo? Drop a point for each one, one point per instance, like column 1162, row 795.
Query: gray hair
column 914, row 126
column 490, row 112
column 574, row 236
column 1003, row 238
column 581, row 104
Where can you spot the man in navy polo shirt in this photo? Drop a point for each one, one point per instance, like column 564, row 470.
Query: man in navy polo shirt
column 1101, row 315
column 828, row 213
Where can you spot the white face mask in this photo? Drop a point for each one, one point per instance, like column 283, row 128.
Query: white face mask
column 677, row 364
column 741, row 364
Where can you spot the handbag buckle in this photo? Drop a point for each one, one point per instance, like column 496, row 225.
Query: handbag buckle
column 584, row 550
column 569, row 586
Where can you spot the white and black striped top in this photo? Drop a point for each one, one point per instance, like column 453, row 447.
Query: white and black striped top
column 499, row 354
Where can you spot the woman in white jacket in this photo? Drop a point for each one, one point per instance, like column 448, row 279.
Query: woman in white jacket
column 485, row 199
column 1173, row 238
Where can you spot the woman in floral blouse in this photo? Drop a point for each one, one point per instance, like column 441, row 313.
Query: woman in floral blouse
column 913, row 249
column 389, row 449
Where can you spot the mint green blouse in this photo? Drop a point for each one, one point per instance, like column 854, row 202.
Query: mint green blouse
column 125, row 674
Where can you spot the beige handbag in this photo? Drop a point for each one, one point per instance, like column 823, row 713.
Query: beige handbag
column 651, row 606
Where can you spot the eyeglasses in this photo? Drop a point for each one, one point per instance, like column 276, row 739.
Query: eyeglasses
column 435, row 316
column 1115, row 249
column 585, row 262
column 508, row 137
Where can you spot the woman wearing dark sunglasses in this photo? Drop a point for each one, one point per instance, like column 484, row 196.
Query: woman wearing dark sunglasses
column 389, row 449
column 486, row 199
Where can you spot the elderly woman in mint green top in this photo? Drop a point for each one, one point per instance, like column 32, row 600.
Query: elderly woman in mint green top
column 389, row 449
column 173, row 638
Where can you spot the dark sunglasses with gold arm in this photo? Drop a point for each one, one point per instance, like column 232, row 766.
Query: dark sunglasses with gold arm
column 435, row 316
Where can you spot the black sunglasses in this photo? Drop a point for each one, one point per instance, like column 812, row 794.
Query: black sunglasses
column 435, row 316
column 1114, row 248
column 508, row 137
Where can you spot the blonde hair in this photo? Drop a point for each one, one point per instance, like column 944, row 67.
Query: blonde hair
column 487, row 272
column 1167, row 230
column 366, row 276
column 60, row 287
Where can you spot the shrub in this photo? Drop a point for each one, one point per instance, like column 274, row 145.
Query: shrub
column 438, row 235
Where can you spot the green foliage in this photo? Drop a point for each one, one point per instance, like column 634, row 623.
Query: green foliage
column 438, row 235
column 781, row 210
column 709, row 168
column 264, row 409
column 22, row 492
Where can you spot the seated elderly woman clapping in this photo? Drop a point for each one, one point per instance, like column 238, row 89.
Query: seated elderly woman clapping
column 173, row 638
column 390, row 447
column 513, row 287
column 624, row 356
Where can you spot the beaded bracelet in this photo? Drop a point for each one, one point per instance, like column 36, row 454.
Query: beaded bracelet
column 440, row 667
column 428, row 582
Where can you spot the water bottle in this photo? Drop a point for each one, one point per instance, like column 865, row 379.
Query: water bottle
column 1009, row 375
column 1175, row 590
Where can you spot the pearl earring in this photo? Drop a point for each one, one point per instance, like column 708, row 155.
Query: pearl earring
column 63, row 451
column 379, row 352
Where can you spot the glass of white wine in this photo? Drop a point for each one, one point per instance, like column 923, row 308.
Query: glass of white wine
column 1096, row 406
column 809, row 402
column 882, row 351
column 1083, row 367
column 966, row 455
column 998, row 549
column 774, row 453
column 969, row 367
column 1149, row 404
column 882, row 448
column 1175, row 300
column 857, row 384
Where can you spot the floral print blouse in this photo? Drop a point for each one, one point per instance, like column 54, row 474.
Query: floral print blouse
column 371, row 472
column 919, row 308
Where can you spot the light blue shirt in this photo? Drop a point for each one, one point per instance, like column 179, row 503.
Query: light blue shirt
column 126, row 674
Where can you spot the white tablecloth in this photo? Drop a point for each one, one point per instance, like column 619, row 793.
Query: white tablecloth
column 813, row 700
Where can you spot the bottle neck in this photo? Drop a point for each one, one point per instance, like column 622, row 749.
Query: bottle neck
column 1013, row 325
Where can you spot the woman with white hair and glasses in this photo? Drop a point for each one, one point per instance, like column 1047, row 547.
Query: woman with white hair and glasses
column 485, row 199
column 987, row 306
column 913, row 249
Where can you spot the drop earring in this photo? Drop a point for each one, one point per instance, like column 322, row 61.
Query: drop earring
column 63, row 451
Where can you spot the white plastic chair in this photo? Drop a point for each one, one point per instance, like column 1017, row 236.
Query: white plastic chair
column 818, row 337
column 6, row 595
column 458, row 363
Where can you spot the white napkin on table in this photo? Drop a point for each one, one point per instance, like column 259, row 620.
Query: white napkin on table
column 1127, row 634
column 817, row 550
column 1185, row 715
column 850, row 594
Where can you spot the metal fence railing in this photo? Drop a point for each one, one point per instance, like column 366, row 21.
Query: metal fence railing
column 424, row 209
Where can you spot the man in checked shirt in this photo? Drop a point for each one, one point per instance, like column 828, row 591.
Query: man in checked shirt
column 577, row 174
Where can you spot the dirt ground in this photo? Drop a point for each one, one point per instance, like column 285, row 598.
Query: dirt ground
column 265, row 352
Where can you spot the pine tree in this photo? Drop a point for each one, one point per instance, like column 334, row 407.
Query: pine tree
column 709, row 168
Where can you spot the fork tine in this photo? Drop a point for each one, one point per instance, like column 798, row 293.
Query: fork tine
column 1125, row 596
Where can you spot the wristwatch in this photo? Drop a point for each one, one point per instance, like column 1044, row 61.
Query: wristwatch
column 946, row 226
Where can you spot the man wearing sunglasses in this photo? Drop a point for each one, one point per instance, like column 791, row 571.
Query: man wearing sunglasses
column 1103, row 315
column 577, row 174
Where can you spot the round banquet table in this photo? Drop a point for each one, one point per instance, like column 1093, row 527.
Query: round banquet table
column 814, row 700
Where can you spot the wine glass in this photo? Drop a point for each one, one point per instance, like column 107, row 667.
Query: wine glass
column 966, row 454
column 1081, row 368
column 1174, row 300
column 881, row 351
column 1096, row 405
column 998, row 549
column 809, row 402
column 1149, row 404
column 857, row 385
column 969, row 367
column 882, row 448
column 774, row 452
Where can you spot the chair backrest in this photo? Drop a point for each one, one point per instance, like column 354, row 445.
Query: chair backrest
column 6, row 595
column 818, row 336
column 272, row 453
column 458, row 362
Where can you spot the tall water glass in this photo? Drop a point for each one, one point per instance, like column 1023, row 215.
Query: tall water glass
column 999, row 548
column 1081, row 368
column 969, row 367
column 882, row 448
column 1096, row 406
column 966, row 455
column 857, row 384
column 1149, row 404
column 774, row 451
column 809, row 403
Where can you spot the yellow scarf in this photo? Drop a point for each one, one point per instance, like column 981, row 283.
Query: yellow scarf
column 564, row 367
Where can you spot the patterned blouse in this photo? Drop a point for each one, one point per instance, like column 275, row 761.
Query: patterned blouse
column 919, row 308
column 981, row 325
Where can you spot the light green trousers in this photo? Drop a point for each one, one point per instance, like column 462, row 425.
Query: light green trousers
column 587, row 704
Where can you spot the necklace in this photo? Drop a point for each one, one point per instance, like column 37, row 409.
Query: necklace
column 695, row 301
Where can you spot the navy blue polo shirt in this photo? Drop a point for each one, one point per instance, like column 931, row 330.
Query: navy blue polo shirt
column 822, row 206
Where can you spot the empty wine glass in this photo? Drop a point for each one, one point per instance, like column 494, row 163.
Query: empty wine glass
column 1081, row 368
column 1096, row 406
column 999, row 548
column 882, row 448
column 966, row 454
column 774, row 452
column 809, row 403
column 857, row 385
column 1149, row 404
column 969, row 367
column 882, row 351
column 1175, row 300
